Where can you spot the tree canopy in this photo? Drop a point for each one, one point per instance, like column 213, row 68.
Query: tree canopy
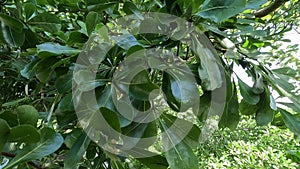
column 91, row 82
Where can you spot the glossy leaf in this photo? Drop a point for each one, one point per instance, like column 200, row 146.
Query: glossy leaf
column 155, row 162
column 182, row 127
column 230, row 117
column 178, row 154
column 10, row 117
column 181, row 92
column 292, row 122
column 29, row 9
column 141, row 86
column 64, row 83
column 50, row 142
column 11, row 22
column 247, row 109
column 218, row 11
column 255, row 4
column 11, row 36
column 54, row 49
column 47, row 22
column 264, row 114
column 248, row 94
column 91, row 21
column 24, row 134
column 77, row 151
column 130, row 8
column 101, row 5
column 4, row 133
column 66, row 103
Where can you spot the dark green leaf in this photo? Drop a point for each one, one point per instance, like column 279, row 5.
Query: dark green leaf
column 11, row 36
column 130, row 8
column 24, row 134
column 255, row 4
column 181, row 127
column 155, row 162
column 248, row 94
column 292, row 122
column 11, row 22
column 63, row 84
column 54, row 49
column 50, row 142
column 29, row 9
column 47, row 22
column 218, row 11
column 4, row 133
column 181, row 93
column 247, row 109
column 179, row 155
column 100, row 5
column 264, row 114
column 10, row 117
column 141, row 86
column 66, row 103
column 230, row 117
column 92, row 19
column 77, row 151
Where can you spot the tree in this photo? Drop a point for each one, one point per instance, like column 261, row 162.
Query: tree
column 87, row 82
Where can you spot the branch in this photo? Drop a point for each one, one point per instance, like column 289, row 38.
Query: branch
column 269, row 9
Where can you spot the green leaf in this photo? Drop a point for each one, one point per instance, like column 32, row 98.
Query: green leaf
column 50, row 142
column 230, row 117
column 76, row 37
column 141, row 86
column 247, row 93
column 47, row 22
column 255, row 4
column 209, row 69
column 10, row 117
column 264, row 114
column 77, row 151
column 179, row 155
column 109, row 125
column 30, row 39
column 247, row 109
column 183, row 127
column 292, row 122
column 137, row 131
column 130, row 8
column 43, row 69
column 11, row 36
column 180, row 93
column 92, row 19
column 27, row 114
column 100, row 5
column 66, row 103
column 24, row 134
column 72, row 137
column 85, row 80
column 54, row 49
column 204, row 106
column 4, row 133
column 29, row 9
column 218, row 10
column 63, row 84
column 11, row 22
column 155, row 162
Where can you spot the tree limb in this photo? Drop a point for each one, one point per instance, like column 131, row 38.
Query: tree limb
column 269, row 9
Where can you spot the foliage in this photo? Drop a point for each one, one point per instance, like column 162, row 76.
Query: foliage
column 42, row 39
